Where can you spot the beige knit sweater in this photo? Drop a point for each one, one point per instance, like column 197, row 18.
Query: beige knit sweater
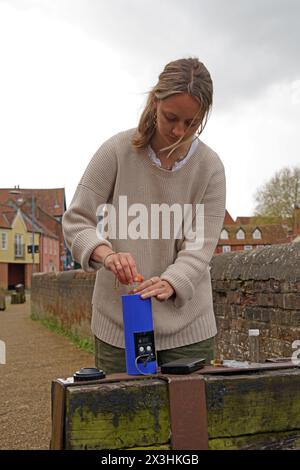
column 117, row 169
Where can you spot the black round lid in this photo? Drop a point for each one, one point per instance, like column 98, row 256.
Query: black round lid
column 88, row 373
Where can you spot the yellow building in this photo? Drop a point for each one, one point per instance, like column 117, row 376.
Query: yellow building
column 16, row 258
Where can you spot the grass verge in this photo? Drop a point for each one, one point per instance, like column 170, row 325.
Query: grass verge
column 86, row 344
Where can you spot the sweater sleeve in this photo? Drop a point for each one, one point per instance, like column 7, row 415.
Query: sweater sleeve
column 192, row 260
column 80, row 220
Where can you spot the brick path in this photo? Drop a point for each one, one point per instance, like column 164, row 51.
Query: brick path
column 34, row 356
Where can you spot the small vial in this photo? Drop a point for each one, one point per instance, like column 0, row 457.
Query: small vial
column 136, row 282
column 253, row 345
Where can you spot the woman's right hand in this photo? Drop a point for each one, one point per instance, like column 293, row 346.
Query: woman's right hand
column 121, row 264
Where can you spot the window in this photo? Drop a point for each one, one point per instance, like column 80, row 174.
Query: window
column 240, row 235
column 226, row 248
column 54, row 246
column 3, row 241
column 51, row 267
column 224, row 235
column 19, row 247
column 50, row 246
column 45, row 246
column 256, row 234
column 248, row 247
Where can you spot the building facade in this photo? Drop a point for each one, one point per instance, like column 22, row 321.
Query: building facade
column 25, row 248
column 46, row 206
column 246, row 234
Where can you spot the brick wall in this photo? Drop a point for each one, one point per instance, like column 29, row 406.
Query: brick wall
column 255, row 289
column 259, row 289
column 66, row 296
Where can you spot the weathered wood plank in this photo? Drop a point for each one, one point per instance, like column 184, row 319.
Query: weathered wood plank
column 265, row 402
column 117, row 415
column 260, row 410
column 289, row 440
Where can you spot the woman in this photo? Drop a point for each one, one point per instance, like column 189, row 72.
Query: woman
column 161, row 166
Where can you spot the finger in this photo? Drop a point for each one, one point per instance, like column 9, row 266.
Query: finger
column 142, row 286
column 110, row 265
column 162, row 296
column 120, row 272
column 126, row 269
column 146, row 284
column 132, row 266
column 115, row 267
column 128, row 264
column 154, row 291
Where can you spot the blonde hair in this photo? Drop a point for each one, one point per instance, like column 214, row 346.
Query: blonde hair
column 180, row 76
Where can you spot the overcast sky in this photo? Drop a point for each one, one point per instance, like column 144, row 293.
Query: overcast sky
column 75, row 72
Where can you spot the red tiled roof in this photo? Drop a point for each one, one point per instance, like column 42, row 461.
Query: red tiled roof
column 270, row 234
column 5, row 209
column 8, row 214
column 4, row 222
column 44, row 220
column 48, row 232
column 38, row 227
column 51, row 201
column 243, row 220
column 228, row 220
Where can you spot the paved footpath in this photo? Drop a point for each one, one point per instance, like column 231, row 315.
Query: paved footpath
column 34, row 357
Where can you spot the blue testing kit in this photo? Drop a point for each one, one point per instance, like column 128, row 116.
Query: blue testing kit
column 139, row 335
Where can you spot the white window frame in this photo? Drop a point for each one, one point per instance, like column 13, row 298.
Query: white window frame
column 224, row 234
column 256, row 235
column 240, row 234
column 19, row 248
column 248, row 247
column 4, row 241
column 226, row 249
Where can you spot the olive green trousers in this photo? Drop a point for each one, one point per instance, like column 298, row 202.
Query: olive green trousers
column 112, row 360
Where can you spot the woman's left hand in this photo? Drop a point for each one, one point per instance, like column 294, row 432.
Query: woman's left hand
column 155, row 287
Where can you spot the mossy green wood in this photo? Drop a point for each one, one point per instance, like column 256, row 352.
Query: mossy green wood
column 251, row 411
column 265, row 402
column 117, row 415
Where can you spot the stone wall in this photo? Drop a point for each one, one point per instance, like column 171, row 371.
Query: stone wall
column 256, row 289
column 66, row 296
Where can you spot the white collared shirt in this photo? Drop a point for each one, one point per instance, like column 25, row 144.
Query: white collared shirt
column 177, row 165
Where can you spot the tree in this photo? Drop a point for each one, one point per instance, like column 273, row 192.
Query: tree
column 279, row 196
